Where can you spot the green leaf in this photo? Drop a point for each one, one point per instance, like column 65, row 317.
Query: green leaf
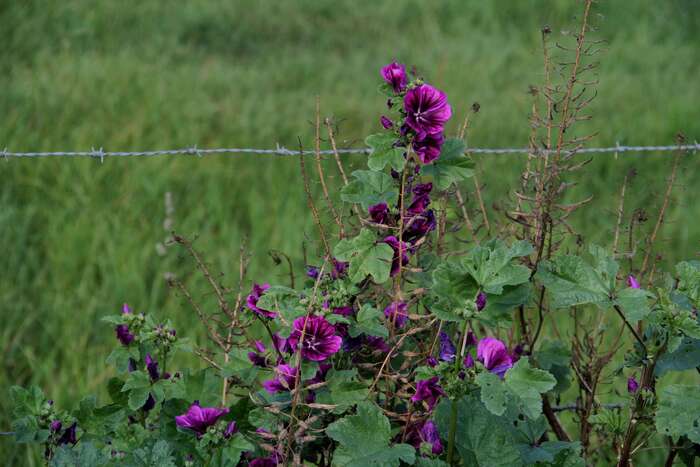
column 483, row 439
column 493, row 392
column 528, row 384
column 239, row 366
column 82, row 454
column 27, row 401
column 678, row 413
column 634, row 303
column 282, row 300
column 120, row 357
column 366, row 255
column 452, row 166
column 237, row 445
column 571, row 281
column 383, row 152
column 689, row 280
column 368, row 322
column 364, row 440
column 492, row 265
column 555, row 357
column 344, row 390
column 370, row 188
column 159, row 454
column 685, row 357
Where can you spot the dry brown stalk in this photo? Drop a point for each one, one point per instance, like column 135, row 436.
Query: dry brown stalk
column 319, row 167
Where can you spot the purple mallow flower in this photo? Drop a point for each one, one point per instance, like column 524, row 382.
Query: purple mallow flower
column 263, row 462
column 396, row 313
column 447, row 348
column 480, row 301
column 339, row 268
column 494, row 355
column 421, row 198
column 69, row 436
column 126, row 310
column 123, row 334
column 152, row 367
column 198, row 418
column 281, row 344
column 346, row 310
column 149, row 404
column 284, row 380
column 419, row 226
column 386, row 122
column 429, row 434
column 428, row 390
column 431, row 361
column 428, row 147
column 230, row 430
column 312, row 272
column 256, row 358
column 632, row 385
column 320, row 339
column 252, row 301
column 632, row 282
column 56, row 426
column 379, row 213
column 400, row 248
column 427, row 110
column 395, row 75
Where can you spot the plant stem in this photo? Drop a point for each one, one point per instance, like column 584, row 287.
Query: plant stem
column 453, row 413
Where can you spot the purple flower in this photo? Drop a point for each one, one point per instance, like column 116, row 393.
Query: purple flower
column 468, row 361
column 152, row 367
column 494, row 355
column 427, row 110
column 69, row 435
column 632, row 282
column 397, row 246
column 424, row 432
column 256, row 358
column 312, row 272
column 339, row 268
column 632, row 385
column 421, row 198
column 230, row 430
column 126, row 310
column 395, row 75
column 428, row 147
column 149, row 404
column 447, row 348
column 263, row 462
column 284, row 380
column 420, row 226
column 252, row 301
column 56, row 426
column 428, row 390
column 346, row 310
column 429, row 434
column 431, row 361
column 386, row 123
column 480, row 301
column 281, row 344
column 396, row 313
column 379, row 213
column 320, row 339
column 198, row 419
column 377, row 343
column 123, row 334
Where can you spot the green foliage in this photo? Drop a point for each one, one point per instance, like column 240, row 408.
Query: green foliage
column 370, row 188
column 367, row 257
column 364, row 439
column 83, row 454
column 452, row 166
column 555, row 357
column 523, row 386
column 573, row 281
column 383, row 152
column 492, row 268
column 678, row 413
column 368, row 322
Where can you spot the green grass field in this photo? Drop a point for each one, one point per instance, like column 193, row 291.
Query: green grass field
column 79, row 237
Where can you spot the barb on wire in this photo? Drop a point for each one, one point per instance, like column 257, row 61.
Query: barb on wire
column 284, row 152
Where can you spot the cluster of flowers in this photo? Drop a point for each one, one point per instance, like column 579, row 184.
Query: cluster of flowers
column 423, row 115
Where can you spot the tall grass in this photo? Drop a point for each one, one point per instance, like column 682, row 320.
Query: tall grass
column 78, row 237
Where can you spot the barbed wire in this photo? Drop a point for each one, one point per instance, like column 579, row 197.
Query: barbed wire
column 283, row 151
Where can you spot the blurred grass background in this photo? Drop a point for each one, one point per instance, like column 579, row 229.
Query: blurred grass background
column 78, row 237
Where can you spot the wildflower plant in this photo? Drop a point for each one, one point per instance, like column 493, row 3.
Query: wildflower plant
column 402, row 345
